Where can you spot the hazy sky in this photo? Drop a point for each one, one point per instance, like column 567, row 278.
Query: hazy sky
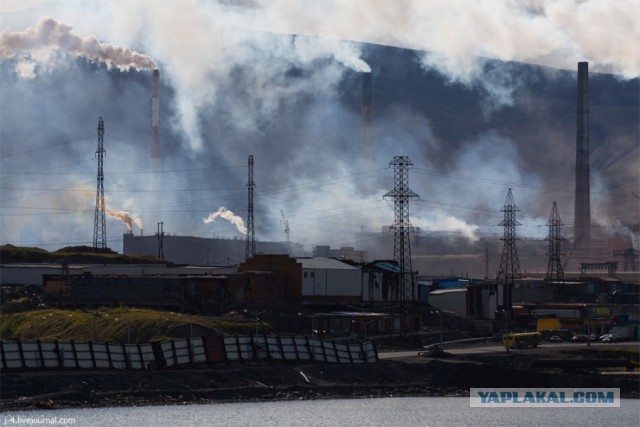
column 234, row 82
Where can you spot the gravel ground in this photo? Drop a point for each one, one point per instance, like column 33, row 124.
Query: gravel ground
column 424, row 377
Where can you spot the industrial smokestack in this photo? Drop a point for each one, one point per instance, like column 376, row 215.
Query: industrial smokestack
column 155, row 152
column 582, row 212
column 367, row 112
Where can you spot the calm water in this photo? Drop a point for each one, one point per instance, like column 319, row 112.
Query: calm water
column 406, row 411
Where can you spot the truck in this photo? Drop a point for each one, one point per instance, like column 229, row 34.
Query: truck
column 623, row 332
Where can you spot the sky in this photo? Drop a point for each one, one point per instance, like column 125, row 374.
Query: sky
column 272, row 79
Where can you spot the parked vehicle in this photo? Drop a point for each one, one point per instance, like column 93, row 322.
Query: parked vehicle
column 522, row 340
column 555, row 338
column 583, row 338
column 610, row 338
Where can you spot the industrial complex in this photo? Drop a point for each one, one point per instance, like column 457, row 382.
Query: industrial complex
column 392, row 281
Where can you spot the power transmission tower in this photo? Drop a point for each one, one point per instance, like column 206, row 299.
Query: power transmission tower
column 402, row 228
column 509, row 269
column 99, row 226
column 251, row 235
column 554, row 269
column 486, row 262
column 630, row 258
column 285, row 222
column 161, row 240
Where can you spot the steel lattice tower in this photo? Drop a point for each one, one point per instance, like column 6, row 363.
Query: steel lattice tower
column 554, row 269
column 630, row 256
column 402, row 226
column 509, row 269
column 160, row 237
column 99, row 226
column 251, row 236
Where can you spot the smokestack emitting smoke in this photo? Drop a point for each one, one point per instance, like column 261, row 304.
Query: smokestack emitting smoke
column 217, row 45
column 229, row 216
column 155, row 157
column 367, row 143
column 582, row 212
column 49, row 33
column 125, row 217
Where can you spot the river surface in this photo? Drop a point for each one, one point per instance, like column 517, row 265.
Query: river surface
column 404, row 411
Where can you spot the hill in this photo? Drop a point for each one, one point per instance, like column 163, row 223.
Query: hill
column 10, row 254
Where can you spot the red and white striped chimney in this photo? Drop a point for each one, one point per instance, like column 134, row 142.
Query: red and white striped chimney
column 155, row 158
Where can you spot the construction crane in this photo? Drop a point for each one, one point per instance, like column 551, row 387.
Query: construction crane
column 286, row 225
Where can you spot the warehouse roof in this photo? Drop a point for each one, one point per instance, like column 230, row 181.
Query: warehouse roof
column 323, row 263
column 388, row 266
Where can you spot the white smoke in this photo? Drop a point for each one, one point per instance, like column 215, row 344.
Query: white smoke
column 443, row 222
column 201, row 44
column 545, row 32
column 229, row 216
column 202, row 47
column 49, row 34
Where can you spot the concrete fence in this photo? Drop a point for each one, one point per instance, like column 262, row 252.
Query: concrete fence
column 180, row 353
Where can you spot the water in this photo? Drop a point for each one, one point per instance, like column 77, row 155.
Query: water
column 405, row 411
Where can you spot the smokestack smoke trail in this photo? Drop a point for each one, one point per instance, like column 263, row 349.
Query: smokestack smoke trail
column 229, row 216
column 125, row 217
column 49, row 33
column 582, row 212
column 367, row 113
column 155, row 150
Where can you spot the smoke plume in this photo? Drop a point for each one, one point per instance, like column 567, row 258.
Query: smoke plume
column 51, row 34
column 125, row 217
column 229, row 216
column 281, row 83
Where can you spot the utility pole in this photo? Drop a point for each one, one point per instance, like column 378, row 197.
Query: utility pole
column 160, row 236
column 401, row 194
column 250, row 250
column 99, row 226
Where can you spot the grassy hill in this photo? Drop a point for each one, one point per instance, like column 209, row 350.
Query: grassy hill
column 74, row 254
column 113, row 325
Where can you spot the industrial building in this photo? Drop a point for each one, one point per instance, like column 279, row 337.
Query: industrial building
column 205, row 294
column 203, row 251
column 282, row 273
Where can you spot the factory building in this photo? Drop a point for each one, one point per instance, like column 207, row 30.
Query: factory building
column 201, row 250
column 206, row 294
column 312, row 281
column 32, row 273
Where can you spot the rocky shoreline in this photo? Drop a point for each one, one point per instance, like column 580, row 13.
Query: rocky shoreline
column 229, row 383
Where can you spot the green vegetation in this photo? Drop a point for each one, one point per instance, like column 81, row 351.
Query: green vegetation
column 111, row 325
column 10, row 253
column 74, row 254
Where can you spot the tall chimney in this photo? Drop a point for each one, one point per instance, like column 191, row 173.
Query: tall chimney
column 155, row 155
column 367, row 112
column 582, row 212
